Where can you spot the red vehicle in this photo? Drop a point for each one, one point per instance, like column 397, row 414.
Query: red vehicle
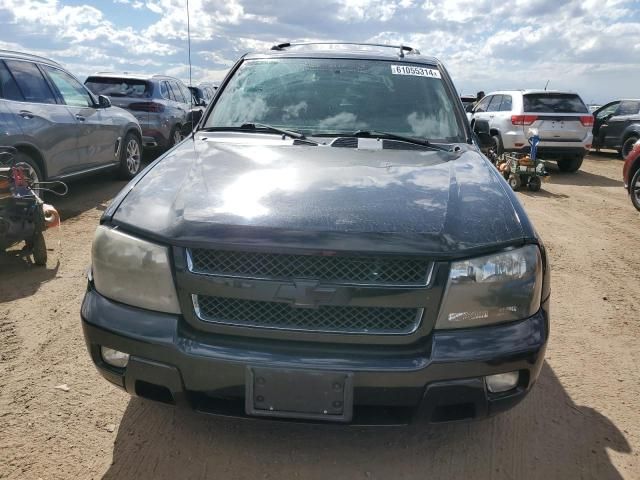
column 631, row 174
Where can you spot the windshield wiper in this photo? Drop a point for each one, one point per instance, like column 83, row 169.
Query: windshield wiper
column 400, row 138
column 263, row 126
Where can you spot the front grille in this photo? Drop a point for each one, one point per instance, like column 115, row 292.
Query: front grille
column 326, row 318
column 359, row 270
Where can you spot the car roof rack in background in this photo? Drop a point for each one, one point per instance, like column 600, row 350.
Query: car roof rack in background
column 30, row 56
column 400, row 48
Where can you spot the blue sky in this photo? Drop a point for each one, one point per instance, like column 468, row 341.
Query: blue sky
column 591, row 46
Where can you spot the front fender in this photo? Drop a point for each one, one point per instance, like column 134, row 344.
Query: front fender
column 631, row 130
column 132, row 126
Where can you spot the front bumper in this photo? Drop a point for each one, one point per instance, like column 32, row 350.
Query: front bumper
column 443, row 381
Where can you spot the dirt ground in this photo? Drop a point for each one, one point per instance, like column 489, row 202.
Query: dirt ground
column 582, row 420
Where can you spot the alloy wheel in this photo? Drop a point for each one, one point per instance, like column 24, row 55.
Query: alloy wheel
column 133, row 156
column 31, row 174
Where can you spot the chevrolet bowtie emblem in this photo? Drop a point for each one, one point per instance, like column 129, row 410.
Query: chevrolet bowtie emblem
column 305, row 293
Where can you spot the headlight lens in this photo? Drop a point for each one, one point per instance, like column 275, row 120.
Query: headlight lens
column 492, row 289
column 133, row 271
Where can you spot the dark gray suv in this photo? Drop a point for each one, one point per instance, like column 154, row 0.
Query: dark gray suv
column 61, row 130
column 161, row 104
column 328, row 244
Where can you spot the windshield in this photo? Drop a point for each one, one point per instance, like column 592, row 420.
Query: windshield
column 339, row 96
column 118, row 87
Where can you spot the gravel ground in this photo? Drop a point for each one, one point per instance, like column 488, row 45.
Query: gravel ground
column 582, row 420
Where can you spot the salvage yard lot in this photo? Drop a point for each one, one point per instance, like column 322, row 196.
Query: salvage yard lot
column 581, row 421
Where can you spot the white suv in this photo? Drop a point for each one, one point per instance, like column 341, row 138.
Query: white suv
column 562, row 119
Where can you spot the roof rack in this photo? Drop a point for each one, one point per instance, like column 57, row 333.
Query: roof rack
column 31, row 56
column 401, row 48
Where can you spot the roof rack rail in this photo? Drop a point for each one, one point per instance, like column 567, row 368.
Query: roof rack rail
column 401, row 48
column 30, row 55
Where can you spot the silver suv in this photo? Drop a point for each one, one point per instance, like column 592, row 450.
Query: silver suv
column 562, row 120
column 161, row 104
column 60, row 129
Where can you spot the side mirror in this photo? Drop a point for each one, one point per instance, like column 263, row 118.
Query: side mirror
column 482, row 130
column 186, row 128
column 103, row 102
column 469, row 108
column 202, row 103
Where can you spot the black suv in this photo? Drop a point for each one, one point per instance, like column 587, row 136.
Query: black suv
column 617, row 125
column 328, row 244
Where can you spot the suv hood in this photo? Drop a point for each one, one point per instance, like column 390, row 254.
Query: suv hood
column 259, row 190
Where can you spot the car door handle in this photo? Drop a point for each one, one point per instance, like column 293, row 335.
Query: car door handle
column 80, row 118
column 26, row 114
column 491, row 116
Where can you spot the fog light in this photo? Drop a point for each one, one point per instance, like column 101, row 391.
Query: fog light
column 114, row 357
column 502, row 382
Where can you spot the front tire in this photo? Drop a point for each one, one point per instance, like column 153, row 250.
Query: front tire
column 176, row 136
column 38, row 249
column 130, row 157
column 634, row 189
column 497, row 145
column 570, row 164
column 627, row 146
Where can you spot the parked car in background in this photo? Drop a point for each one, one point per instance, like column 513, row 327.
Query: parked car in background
column 198, row 96
column 562, row 120
column 160, row 103
column 631, row 174
column 350, row 242
column 203, row 93
column 60, row 129
column 593, row 107
column 468, row 102
column 617, row 126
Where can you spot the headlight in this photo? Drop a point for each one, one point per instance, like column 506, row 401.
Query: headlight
column 133, row 271
column 492, row 289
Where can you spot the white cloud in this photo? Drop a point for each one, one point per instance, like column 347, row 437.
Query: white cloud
column 592, row 46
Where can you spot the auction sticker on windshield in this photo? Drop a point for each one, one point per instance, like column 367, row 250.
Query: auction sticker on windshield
column 415, row 71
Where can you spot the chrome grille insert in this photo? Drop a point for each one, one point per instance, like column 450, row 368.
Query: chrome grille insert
column 349, row 270
column 325, row 318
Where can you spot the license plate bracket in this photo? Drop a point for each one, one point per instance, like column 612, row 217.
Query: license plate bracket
column 303, row 394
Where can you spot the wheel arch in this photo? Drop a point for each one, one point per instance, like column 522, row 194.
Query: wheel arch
column 135, row 130
column 37, row 156
column 632, row 130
